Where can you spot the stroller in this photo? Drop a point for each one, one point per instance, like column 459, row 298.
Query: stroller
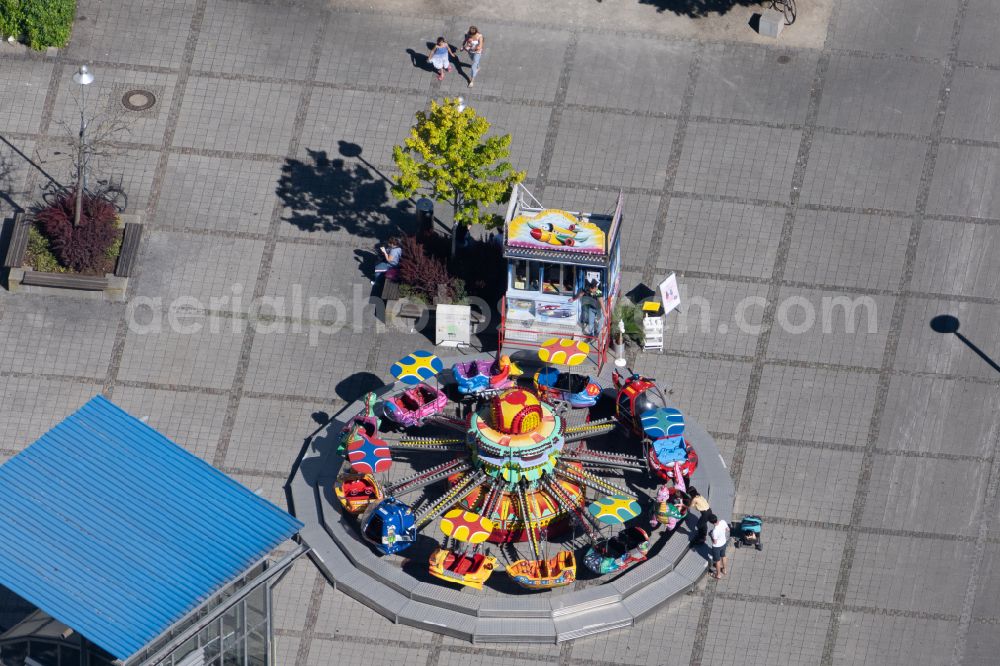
column 748, row 532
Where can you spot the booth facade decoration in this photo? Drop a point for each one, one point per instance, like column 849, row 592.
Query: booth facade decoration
column 553, row 255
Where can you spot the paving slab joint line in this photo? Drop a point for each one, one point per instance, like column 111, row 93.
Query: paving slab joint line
column 180, row 86
column 891, row 348
column 555, row 117
column 978, row 555
column 673, row 165
column 267, row 255
column 778, row 269
column 312, row 617
column 48, row 110
column 434, row 654
column 777, row 276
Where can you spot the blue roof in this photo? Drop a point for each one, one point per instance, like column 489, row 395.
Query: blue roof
column 117, row 532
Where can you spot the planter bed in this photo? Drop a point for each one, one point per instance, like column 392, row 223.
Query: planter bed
column 113, row 285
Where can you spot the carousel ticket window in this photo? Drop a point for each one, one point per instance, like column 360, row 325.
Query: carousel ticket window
column 526, row 276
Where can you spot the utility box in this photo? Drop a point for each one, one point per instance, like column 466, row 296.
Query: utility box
column 772, row 22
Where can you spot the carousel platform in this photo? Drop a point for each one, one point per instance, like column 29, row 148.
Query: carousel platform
column 399, row 589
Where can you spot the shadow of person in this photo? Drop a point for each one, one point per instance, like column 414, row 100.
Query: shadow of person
column 461, row 67
column 420, row 60
column 367, row 260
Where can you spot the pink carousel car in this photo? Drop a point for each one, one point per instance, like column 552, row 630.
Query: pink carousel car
column 413, row 405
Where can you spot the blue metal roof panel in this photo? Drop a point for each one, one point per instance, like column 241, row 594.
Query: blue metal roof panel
column 116, row 531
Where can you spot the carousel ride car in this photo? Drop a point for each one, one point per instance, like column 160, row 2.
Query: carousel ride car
column 477, row 377
column 642, row 409
column 567, row 388
column 517, row 473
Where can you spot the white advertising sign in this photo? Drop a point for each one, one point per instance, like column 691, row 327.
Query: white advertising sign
column 453, row 325
column 670, row 294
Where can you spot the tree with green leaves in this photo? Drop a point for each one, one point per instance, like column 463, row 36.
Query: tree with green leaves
column 448, row 154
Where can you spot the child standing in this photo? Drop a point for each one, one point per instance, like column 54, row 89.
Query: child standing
column 440, row 57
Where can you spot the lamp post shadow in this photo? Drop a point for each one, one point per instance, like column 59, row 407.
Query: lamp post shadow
column 950, row 324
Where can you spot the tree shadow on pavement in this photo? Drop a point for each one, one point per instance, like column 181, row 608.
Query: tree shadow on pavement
column 320, row 194
column 698, row 8
column 7, row 193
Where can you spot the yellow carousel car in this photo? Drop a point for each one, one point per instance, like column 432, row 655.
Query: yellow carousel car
column 544, row 574
column 471, row 569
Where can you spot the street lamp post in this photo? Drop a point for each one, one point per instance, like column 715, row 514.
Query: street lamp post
column 84, row 78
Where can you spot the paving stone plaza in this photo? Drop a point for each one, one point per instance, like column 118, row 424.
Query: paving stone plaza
column 854, row 158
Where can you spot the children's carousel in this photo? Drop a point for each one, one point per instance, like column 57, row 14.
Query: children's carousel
column 531, row 468
column 563, row 275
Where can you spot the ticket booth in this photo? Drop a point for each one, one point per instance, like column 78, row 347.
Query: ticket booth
column 563, row 274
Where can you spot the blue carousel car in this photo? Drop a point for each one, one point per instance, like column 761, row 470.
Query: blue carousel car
column 390, row 526
column 579, row 391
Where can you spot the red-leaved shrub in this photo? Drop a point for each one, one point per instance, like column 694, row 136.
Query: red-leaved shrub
column 81, row 248
column 425, row 273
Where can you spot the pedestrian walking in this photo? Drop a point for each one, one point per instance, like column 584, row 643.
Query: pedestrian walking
column 440, row 57
column 719, row 538
column 473, row 45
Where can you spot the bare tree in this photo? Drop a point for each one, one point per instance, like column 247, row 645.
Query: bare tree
column 104, row 140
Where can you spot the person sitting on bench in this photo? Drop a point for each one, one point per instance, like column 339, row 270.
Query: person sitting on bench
column 392, row 254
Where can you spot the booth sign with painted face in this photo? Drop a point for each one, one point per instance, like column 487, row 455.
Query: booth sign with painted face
column 555, row 229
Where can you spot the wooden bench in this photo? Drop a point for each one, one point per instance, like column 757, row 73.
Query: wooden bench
column 18, row 244
column 130, row 249
column 390, row 293
column 408, row 310
column 65, row 281
column 390, row 290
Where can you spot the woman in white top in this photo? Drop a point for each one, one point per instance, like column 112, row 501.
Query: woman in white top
column 474, row 47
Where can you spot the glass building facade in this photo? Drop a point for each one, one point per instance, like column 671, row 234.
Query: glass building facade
column 232, row 628
column 241, row 636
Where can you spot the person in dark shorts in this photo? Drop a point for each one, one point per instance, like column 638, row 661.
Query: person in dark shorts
column 718, row 537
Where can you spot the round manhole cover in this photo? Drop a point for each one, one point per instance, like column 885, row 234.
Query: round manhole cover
column 784, row 59
column 138, row 100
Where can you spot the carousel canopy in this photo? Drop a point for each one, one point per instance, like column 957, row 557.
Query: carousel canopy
column 466, row 526
column 615, row 510
column 563, row 351
column 662, row 422
column 416, row 367
column 367, row 456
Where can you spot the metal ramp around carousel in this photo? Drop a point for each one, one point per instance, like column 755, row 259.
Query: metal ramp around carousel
column 542, row 617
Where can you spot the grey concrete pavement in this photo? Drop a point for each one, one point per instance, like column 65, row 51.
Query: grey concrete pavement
column 857, row 157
